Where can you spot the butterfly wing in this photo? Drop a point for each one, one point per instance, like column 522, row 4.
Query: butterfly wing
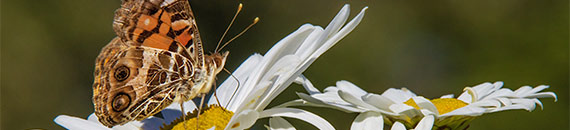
column 139, row 73
column 162, row 24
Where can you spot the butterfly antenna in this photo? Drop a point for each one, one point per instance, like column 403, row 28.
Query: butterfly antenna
column 228, row 28
column 238, row 84
column 247, row 28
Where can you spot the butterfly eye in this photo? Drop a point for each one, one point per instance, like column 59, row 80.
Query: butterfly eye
column 121, row 102
column 122, row 73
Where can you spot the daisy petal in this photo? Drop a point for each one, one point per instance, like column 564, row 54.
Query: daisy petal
column 543, row 95
column 378, row 101
column 524, row 90
column 152, row 123
column 278, row 123
column 306, row 116
column 447, row 96
column 426, row 123
column 307, row 85
column 356, row 101
column 424, row 103
column 174, row 111
column 368, row 121
column 243, row 120
column 398, row 126
column 337, row 21
column 75, row 123
column 398, row 95
column 92, row 117
column 227, row 88
column 350, row 88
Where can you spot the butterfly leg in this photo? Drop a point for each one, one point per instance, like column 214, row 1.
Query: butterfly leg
column 200, row 110
column 183, row 113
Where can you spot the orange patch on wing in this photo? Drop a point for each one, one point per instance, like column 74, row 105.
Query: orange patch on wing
column 136, row 33
column 147, row 22
column 157, row 41
column 165, row 18
column 163, row 30
column 184, row 37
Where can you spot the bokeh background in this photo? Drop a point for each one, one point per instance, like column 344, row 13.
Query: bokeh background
column 48, row 49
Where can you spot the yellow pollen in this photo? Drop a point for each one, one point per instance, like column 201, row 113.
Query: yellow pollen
column 212, row 116
column 443, row 105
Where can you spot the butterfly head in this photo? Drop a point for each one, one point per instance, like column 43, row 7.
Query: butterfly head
column 216, row 61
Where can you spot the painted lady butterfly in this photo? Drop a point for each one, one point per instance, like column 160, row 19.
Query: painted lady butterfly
column 156, row 59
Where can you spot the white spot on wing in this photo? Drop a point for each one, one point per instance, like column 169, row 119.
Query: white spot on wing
column 146, row 21
column 166, row 2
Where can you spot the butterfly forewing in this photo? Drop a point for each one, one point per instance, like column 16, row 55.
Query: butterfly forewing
column 156, row 58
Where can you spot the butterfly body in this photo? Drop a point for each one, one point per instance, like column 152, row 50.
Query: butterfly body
column 156, row 59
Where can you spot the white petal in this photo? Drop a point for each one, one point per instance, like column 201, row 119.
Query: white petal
column 283, row 70
column 368, row 121
column 151, row 123
column 529, row 104
column 511, row 107
column 465, row 97
column 354, row 100
column 404, row 109
column 505, row 101
column 174, row 111
column 398, row 126
column 128, row 126
column 426, row 123
column 447, row 96
column 524, row 90
column 327, row 100
column 306, row 116
column 543, row 95
column 75, row 123
column 284, row 47
column 310, row 44
column 243, row 120
column 538, row 102
column 307, row 85
column 250, row 101
column 350, row 88
column 337, row 21
column 92, row 117
column 227, row 88
column 499, row 93
column 469, row 110
column 483, row 90
column 343, row 32
column 398, row 95
column 539, row 88
column 278, row 123
column 487, row 104
column 424, row 103
column 378, row 101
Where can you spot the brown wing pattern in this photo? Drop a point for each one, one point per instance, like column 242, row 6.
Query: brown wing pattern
column 151, row 62
column 162, row 24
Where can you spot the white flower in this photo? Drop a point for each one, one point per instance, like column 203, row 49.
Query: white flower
column 261, row 79
column 269, row 75
column 405, row 110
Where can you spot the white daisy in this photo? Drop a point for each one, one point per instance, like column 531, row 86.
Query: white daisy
column 405, row 110
column 261, row 78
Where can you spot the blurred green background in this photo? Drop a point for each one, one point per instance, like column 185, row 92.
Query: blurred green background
column 48, row 49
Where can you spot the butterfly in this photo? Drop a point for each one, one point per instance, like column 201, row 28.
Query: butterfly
column 156, row 59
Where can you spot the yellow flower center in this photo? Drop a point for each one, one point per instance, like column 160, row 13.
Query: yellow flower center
column 443, row 105
column 213, row 116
